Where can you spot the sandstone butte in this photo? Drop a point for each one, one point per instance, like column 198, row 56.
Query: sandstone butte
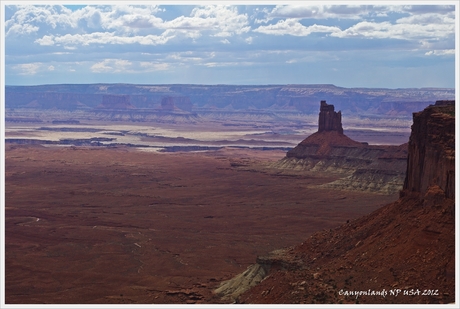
column 363, row 167
column 402, row 253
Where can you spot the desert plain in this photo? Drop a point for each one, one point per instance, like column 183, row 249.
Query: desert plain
column 123, row 224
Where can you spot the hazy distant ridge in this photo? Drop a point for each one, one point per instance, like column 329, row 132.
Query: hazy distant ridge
column 305, row 98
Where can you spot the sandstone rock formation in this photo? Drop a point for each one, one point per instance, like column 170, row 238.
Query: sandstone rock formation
column 402, row 253
column 329, row 120
column 431, row 158
column 363, row 167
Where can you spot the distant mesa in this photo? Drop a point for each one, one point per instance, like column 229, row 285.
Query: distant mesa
column 171, row 103
column 115, row 102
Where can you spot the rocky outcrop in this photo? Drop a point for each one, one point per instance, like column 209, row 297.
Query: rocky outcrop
column 362, row 167
column 431, row 158
column 329, row 120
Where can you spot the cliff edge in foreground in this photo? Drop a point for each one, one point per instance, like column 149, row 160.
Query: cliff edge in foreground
column 402, row 253
column 432, row 150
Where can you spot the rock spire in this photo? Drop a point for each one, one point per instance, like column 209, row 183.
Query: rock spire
column 329, row 120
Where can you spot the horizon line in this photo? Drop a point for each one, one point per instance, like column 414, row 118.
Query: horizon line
column 217, row 85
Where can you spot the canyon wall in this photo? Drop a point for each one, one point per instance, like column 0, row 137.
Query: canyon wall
column 431, row 159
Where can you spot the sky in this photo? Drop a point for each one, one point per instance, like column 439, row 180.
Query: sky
column 368, row 44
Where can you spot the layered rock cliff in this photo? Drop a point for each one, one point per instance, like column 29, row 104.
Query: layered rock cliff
column 361, row 166
column 431, row 158
column 402, row 253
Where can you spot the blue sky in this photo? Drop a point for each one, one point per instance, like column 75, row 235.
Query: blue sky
column 362, row 45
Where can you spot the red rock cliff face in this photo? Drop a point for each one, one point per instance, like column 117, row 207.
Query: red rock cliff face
column 431, row 159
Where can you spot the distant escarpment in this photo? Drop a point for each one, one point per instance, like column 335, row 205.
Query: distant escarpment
column 120, row 108
column 361, row 167
column 378, row 102
column 402, row 253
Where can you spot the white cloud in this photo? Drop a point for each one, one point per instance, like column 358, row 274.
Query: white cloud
column 428, row 26
column 126, row 66
column 70, row 40
column 222, row 21
column 28, row 68
column 128, row 18
column 293, row 27
column 227, row 64
column 32, row 17
column 111, row 66
column 102, row 67
column 152, row 67
column 327, row 11
column 189, row 57
column 387, row 30
column 123, row 24
column 46, row 40
column 445, row 52
column 21, row 29
column 429, row 18
column 122, row 18
column 51, row 68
